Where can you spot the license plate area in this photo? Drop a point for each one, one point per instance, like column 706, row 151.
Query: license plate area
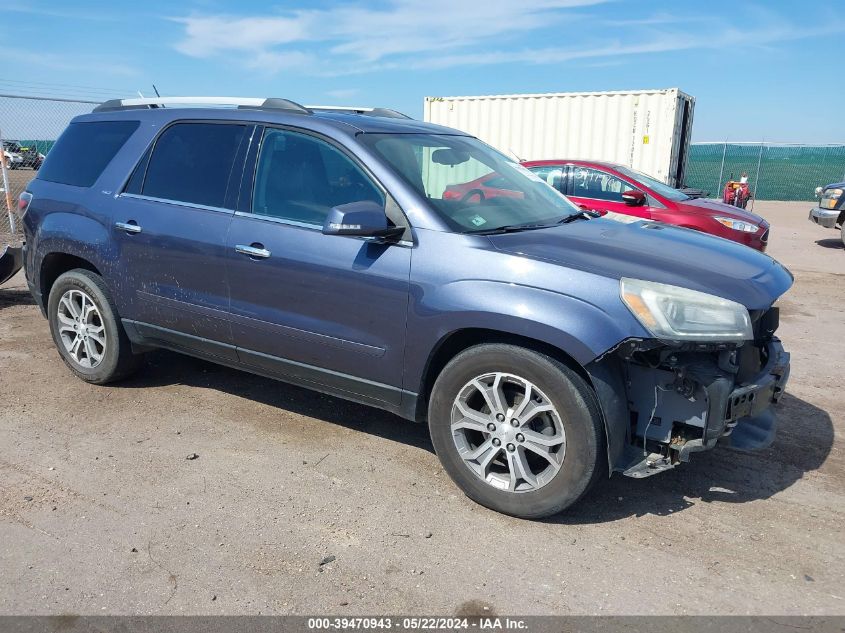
column 749, row 400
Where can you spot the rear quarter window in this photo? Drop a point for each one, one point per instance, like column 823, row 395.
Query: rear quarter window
column 84, row 150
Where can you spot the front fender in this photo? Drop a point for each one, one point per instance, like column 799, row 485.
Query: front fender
column 584, row 329
column 580, row 328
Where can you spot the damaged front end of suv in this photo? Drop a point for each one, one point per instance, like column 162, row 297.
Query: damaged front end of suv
column 710, row 374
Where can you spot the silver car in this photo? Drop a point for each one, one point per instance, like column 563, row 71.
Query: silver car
column 830, row 212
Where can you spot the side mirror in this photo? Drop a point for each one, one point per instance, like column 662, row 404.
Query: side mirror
column 633, row 198
column 360, row 219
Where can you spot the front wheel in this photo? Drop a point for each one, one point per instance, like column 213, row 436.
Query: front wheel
column 86, row 329
column 518, row 431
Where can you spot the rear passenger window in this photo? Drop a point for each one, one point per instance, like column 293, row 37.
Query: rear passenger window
column 300, row 178
column 84, row 150
column 192, row 162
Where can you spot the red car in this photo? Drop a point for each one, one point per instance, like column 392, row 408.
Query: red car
column 492, row 185
column 607, row 187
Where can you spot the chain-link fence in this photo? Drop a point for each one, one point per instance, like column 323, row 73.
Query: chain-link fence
column 28, row 128
column 775, row 171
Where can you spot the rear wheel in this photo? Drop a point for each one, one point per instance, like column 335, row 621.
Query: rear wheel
column 518, row 431
column 86, row 329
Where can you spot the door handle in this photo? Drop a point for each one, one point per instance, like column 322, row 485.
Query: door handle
column 129, row 227
column 255, row 250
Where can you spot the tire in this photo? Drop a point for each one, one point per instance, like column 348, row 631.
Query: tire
column 560, row 397
column 91, row 341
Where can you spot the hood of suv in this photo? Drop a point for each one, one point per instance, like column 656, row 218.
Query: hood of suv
column 713, row 207
column 656, row 252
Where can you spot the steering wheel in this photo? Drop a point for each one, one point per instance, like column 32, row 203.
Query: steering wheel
column 473, row 192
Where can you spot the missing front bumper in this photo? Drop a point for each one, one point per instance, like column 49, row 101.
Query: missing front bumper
column 691, row 401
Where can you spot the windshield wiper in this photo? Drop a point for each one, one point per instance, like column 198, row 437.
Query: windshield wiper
column 511, row 228
column 579, row 215
column 514, row 228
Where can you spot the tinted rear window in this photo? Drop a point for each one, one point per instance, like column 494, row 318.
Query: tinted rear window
column 192, row 162
column 83, row 151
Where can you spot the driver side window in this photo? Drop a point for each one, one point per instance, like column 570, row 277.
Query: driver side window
column 598, row 185
column 300, row 178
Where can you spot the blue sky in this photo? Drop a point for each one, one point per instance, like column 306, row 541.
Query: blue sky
column 770, row 69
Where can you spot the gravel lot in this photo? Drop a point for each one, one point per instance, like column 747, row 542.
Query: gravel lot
column 101, row 512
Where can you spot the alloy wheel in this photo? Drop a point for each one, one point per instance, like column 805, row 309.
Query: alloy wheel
column 81, row 329
column 508, row 432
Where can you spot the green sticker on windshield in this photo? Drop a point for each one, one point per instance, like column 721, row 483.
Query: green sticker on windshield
column 477, row 220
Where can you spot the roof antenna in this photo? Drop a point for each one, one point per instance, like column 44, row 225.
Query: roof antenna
column 156, row 91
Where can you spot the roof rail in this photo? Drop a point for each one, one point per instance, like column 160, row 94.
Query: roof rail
column 382, row 112
column 255, row 103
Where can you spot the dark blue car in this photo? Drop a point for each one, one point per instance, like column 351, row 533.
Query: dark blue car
column 544, row 347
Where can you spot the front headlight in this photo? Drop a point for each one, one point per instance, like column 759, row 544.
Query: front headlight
column 833, row 193
column 675, row 313
column 737, row 225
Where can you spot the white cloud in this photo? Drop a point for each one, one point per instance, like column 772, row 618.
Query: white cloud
column 352, row 35
column 438, row 34
column 205, row 36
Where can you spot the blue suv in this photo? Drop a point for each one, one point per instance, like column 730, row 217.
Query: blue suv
column 544, row 347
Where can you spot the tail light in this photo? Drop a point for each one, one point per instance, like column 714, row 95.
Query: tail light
column 23, row 203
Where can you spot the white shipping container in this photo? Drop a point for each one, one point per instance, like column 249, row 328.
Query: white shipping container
column 647, row 130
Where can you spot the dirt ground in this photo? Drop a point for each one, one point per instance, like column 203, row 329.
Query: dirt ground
column 101, row 512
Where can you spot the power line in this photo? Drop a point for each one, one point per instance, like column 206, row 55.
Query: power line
column 63, row 85
column 48, row 93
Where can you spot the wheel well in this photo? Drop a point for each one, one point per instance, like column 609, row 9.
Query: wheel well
column 56, row 264
column 456, row 342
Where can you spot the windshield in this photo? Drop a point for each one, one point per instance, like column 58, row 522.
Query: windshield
column 470, row 185
column 660, row 188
